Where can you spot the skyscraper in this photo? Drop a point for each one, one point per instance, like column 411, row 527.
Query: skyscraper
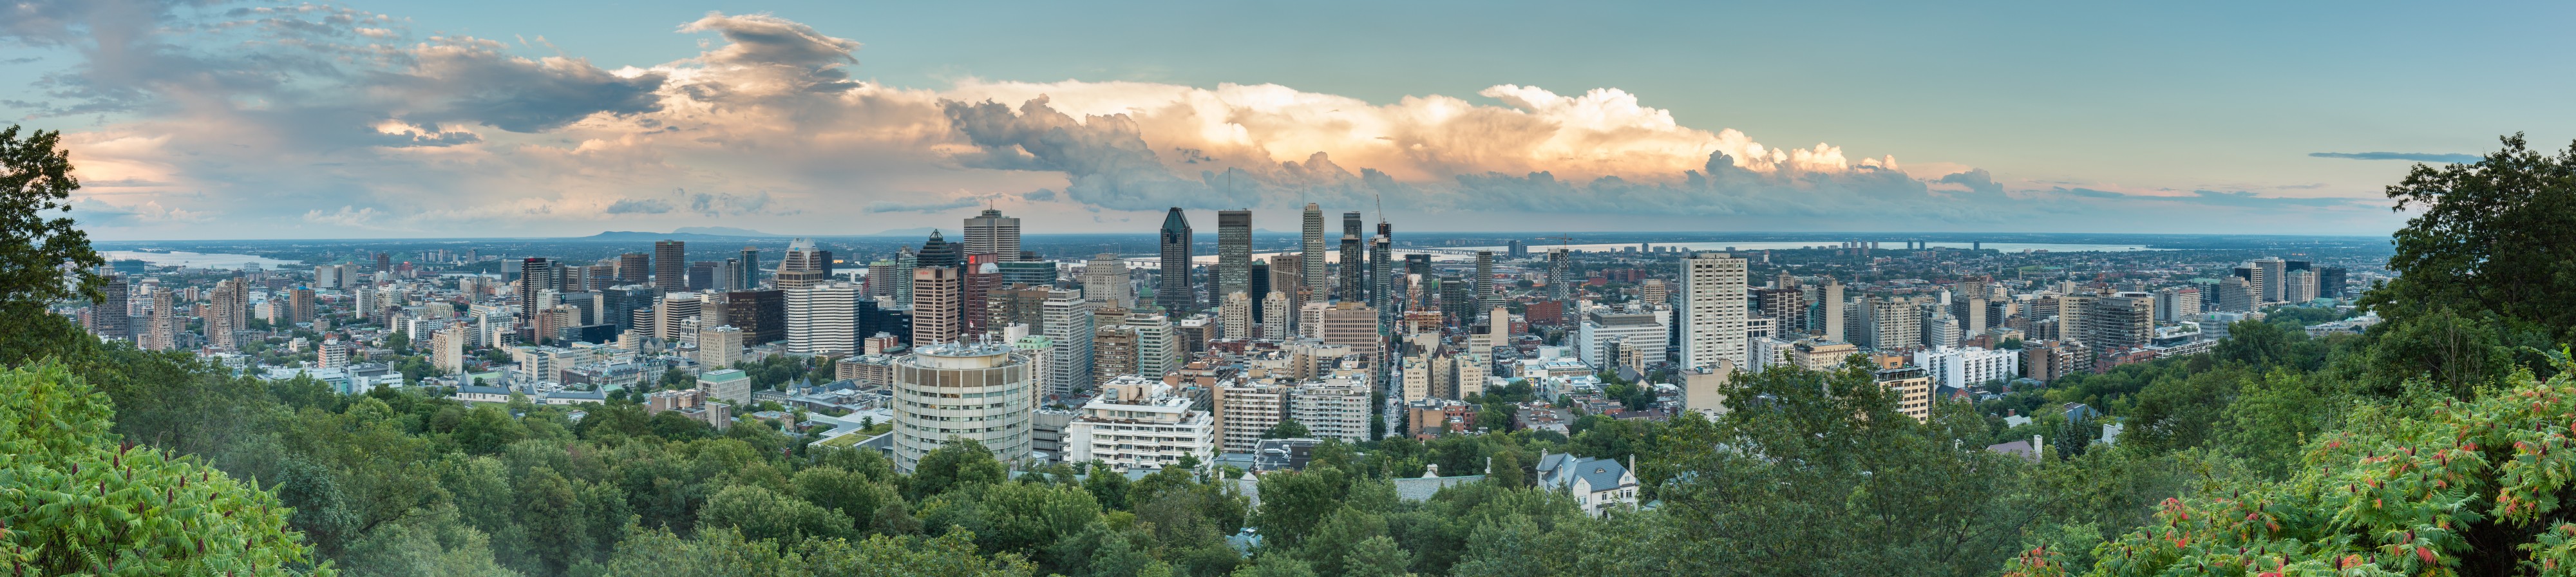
column 802, row 267
column 1484, row 281
column 823, row 318
column 227, row 310
column 938, row 294
column 1559, row 286
column 1352, row 260
column 1832, row 307
column 1311, row 260
column 2271, row 273
column 634, row 268
column 1175, row 293
column 1382, row 270
column 993, row 234
column 1233, row 251
column 1712, row 323
column 1104, row 282
column 747, row 268
column 670, row 265
column 536, row 274
column 1068, row 325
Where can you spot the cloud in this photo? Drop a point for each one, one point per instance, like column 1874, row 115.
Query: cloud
column 331, row 117
column 2413, row 156
column 639, row 206
column 930, row 206
column 347, row 216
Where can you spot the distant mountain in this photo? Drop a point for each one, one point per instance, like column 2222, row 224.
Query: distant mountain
column 645, row 236
column 721, row 231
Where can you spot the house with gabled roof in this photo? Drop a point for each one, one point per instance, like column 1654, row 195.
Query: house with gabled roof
column 1598, row 484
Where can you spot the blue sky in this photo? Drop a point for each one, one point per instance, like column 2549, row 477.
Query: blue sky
column 2171, row 117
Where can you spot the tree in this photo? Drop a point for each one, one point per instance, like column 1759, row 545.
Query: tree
column 1293, row 501
column 1286, row 429
column 2495, row 236
column 2454, row 488
column 78, row 501
column 960, row 463
column 36, row 176
column 762, row 514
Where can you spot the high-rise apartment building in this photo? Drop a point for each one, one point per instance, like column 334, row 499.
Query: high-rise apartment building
column 1114, row 353
column 822, row 318
column 719, row 346
column 2299, row 286
column 447, row 349
column 670, row 265
column 1233, row 252
column 1332, row 409
column 1311, row 258
column 938, row 305
column 161, row 331
column 991, row 233
column 1235, row 316
column 227, row 312
column 2272, row 272
column 1893, row 324
column 1712, row 310
column 1068, row 326
column 2236, row 294
column 1560, row 282
column 112, row 316
column 1173, row 291
column 1140, row 424
column 1158, row 349
column 1353, row 324
column 1245, row 410
column 2177, row 304
column 975, row 391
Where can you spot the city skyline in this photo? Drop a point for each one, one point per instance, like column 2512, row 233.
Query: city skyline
column 404, row 120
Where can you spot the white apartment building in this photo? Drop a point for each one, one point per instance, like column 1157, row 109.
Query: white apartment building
column 1638, row 331
column 823, row 318
column 1713, row 309
column 1968, row 366
column 1245, row 410
column 1068, row 328
column 1139, row 424
column 974, row 391
column 1335, row 408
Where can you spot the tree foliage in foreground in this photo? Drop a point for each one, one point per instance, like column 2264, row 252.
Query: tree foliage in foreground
column 75, row 500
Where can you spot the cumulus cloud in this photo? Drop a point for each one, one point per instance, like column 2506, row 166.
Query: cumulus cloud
column 334, row 118
column 2413, row 156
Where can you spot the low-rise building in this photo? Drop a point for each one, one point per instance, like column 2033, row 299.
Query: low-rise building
column 1140, row 424
column 1599, row 485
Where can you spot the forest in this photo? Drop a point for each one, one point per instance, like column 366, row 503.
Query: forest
column 2435, row 444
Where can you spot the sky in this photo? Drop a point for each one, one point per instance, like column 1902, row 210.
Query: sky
column 193, row 119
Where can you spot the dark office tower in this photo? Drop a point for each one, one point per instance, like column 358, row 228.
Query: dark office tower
column 703, row 275
column 1559, row 287
column 1381, row 270
column 535, row 274
column 620, row 302
column 1484, row 274
column 1260, row 290
column 1174, row 292
column 1233, row 253
column 749, row 266
column 634, row 268
column 600, row 276
column 991, row 233
column 1456, row 307
column 670, row 265
column 112, row 316
column 1354, row 260
column 2330, row 281
column 568, row 279
column 384, row 262
column 761, row 314
column 937, row 252
column 1418, row 269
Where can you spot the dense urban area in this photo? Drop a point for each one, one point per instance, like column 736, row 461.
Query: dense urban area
column 1337, row 401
